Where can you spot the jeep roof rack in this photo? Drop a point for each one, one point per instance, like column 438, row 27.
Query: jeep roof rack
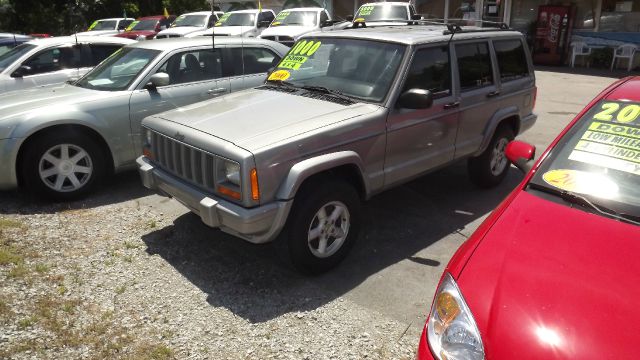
column 454, row 25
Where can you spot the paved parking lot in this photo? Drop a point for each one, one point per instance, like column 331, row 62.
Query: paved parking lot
column 219, row 297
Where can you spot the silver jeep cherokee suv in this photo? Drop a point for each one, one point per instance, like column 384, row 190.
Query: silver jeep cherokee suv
column 345, row 115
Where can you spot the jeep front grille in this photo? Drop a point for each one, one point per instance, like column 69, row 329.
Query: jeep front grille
column 187, row 162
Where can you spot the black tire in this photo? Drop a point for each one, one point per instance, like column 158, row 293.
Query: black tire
column 308, row 202
column 481, row 171
column 74, row 141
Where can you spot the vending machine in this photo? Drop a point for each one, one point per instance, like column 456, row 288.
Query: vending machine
column 553, row 32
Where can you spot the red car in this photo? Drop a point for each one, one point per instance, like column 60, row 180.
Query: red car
column 145, row 28
column 554, row 271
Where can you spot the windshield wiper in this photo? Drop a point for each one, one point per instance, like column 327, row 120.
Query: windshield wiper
column 283, row 83
column 325, row 90
column 578, row 199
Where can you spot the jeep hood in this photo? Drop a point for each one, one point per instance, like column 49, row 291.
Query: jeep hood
column 549, row 281
column 256, row 118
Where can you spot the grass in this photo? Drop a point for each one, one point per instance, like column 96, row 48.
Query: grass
column 27, row 322
column 120, row 289
column 130, row 246
column 20, row 271
column 10, row 224
column 42, row 268
column 152, row 224
column 6, row 314
column 9, row 255
column 154, row 352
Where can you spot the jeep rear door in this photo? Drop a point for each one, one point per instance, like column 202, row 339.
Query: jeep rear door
column 419, row 140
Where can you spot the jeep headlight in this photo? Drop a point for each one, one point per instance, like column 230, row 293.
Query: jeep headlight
column 232, row 172
column 452, row 332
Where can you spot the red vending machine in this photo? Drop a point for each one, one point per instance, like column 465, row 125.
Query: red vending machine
column 553, row 33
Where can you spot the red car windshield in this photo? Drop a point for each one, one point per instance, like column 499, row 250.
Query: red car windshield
column 599, row 159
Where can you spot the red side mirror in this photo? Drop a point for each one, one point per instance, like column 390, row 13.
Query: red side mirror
column 520, row 154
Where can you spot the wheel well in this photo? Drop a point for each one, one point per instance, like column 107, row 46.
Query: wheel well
column 350, row 173
column 513, row 122
column 63, row 128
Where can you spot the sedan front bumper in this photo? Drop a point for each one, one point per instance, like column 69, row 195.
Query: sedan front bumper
column 257, row 225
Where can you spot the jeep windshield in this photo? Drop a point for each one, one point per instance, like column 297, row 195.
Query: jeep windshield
column 361, row 69
column 598, row 160
column 14, row 54
column 385, row 12
column 190, row 20
column 237, row 19
column 119, row 70
column 295, row 18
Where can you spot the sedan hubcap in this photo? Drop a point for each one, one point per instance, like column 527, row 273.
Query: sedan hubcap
column 65, row 167
column 329, row 229
column 499, row 160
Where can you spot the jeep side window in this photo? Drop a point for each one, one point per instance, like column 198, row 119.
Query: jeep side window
column 512, row 61
column 430, row 70
column 55, row 59
column 474, row 65
column 254, row 60
column 192, row 66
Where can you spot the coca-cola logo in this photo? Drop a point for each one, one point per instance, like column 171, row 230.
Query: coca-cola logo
column 554, row 28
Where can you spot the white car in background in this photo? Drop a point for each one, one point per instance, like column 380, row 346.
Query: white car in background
column 189, row 23
column 54, row 60
column 245, row 23
column 290, row 24
column 107, row 27
column 386, row 13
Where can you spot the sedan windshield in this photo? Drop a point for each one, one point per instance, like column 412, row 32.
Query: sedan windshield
column 190, row 20
column 145, row 25
column 298, row 18
column 360, row 69
column 599, row 158
column 237, row 19
column 14, row 54
column 119, row 70
column 103, row 25
column 383, row 13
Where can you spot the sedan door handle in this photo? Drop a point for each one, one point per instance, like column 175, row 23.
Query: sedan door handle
column 493, row 93
column 452, row 105
column 217, row 91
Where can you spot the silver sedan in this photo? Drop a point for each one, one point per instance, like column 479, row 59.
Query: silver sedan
column 60, row 141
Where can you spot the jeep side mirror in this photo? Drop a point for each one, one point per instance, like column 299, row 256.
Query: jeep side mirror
column 349, row 18
column 415, row 99
column 264, row 24
column 521, row 155
column 158, row 79
column 21, row 71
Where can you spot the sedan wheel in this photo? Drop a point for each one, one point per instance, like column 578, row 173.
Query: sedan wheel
column 65, row 167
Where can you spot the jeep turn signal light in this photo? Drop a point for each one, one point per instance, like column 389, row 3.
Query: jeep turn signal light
column 147, row 152
column 228, row 192
column 255, row 191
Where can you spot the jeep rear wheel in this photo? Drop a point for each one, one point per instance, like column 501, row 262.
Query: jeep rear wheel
column 491, row 167
column 323, row 226
column 62, row 166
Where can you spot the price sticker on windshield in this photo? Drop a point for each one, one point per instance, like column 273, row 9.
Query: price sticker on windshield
column 279, row 75
column 132, row 25
column 93, row 25
column 222, row 20
column 283, row 15
column 581, row 182
column 365, row 11
column 300, row 54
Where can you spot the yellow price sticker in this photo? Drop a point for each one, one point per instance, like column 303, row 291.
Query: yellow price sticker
column 619, row 112
column 93, row 25
column 132, row 25
column 280, row 75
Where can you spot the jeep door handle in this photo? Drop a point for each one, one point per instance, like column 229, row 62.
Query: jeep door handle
column 217, row 91
column 452, row 105
column 493, row 93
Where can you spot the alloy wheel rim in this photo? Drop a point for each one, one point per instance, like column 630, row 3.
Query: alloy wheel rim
column 499, row 159
column 328, row 229
column 65, row 168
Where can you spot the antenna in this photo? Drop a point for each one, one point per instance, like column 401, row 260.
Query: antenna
column 15, row 42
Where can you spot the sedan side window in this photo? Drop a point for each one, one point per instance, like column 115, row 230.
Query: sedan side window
column 430, row 70
column 254, row 60
column 54, row 60
column 192, row 66
column 474, row 65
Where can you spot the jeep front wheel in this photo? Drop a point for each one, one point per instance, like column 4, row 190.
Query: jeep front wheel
column 324, row 224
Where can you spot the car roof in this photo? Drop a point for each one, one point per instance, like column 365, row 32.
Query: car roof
column 252, row 11
column 154, row 17
column 182, row 42
column 416, row 34
column 200, row 13
column 113, row 19
column 304, row 9
column 628, row 90
column 81, row 39
column 386, row 3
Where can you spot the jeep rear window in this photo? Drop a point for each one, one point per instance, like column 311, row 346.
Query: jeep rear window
column 357, row 68
column 512, row 61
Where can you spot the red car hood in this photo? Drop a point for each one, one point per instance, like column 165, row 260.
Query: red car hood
column 134, row 34
column 549, row 281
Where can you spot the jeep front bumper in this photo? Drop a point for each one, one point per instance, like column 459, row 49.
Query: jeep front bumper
column 257, row 225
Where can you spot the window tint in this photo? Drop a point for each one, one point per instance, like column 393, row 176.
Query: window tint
column 54, row 59
column 512, row 61
column 193, row 66
column 430, row 71
column 255, row 60
column 266, row 16
column 474, row 65
column 100, row 52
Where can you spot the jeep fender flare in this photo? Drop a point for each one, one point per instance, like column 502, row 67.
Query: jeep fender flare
column 315, row 165
column 492, row 125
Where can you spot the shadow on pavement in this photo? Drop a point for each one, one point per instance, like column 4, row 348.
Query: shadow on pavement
column 248, row 280
column 117, row 188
